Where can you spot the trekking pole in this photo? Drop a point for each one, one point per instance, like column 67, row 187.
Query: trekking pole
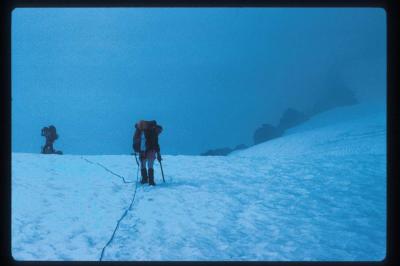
column 162, row 172
column 137, row 162
column 137, row 173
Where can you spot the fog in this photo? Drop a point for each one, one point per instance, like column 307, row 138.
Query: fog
column 209, row 76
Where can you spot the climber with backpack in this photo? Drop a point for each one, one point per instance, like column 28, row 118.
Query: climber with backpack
column 145, row 142
column 50, row 133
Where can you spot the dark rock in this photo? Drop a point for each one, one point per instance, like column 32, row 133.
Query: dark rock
column 266, row 132
column 240, row 147
column 341, row 96
column 223, row 151
column 217, row 152
column 291, row 118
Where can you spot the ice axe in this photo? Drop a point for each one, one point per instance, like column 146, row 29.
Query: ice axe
column 159, row 160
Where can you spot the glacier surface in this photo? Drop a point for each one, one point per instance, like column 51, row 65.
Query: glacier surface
column 317, row 193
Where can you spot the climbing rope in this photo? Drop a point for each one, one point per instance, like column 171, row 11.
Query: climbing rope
column 123, row 215
column 108, row 170
column 127, row 210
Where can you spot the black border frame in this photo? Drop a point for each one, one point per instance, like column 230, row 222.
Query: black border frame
column 393, row 119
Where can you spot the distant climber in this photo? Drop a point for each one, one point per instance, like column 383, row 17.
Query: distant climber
column 50, row 133
column 145, row 142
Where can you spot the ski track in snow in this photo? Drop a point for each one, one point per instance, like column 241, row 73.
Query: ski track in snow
column 318, row 193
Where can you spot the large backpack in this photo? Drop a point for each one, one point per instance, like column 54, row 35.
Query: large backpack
column 151, row 136
column 53, row 132
column 153, row 128
column 45, row 131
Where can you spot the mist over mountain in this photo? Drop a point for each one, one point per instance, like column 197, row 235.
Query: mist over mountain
column 209, row 76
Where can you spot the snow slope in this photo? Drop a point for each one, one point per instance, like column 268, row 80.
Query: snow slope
column 317, row 193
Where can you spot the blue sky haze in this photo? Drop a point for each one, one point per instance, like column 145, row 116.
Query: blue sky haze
column 209, row 76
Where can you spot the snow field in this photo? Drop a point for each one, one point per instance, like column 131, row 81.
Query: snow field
column 317, row 193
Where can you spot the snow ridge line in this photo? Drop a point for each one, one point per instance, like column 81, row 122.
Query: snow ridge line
column 126, row 211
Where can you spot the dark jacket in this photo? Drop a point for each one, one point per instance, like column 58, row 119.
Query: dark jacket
column 50, row 133
column 151, row 137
